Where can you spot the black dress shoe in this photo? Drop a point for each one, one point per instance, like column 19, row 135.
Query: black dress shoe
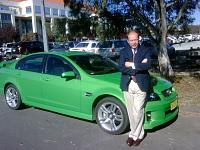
column 137, row 142
column 130, row 141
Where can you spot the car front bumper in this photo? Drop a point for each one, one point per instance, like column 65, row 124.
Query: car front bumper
column 159, row 113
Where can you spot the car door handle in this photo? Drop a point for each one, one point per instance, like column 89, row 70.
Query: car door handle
column 46, row 79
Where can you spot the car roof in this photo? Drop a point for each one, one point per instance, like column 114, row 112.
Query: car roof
column 70, row 53
column 89, row 41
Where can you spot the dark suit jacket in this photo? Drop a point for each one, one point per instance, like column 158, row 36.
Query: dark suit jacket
column 141, row 69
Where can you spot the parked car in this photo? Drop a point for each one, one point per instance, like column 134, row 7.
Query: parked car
column 28, row 47
column 1, row 55
column 154, row 51
column 58, row 47
column 86, row 46
column 181, row 39
column 111, row 48
column 9, row 50
column 188, row 37
column 83, row 85
column 172, row 40
column 70, row 44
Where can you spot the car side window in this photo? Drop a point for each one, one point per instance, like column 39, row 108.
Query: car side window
column 31, row 63
column 56, row 66
column 93, row 45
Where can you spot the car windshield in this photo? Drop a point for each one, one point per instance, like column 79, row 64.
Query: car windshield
column 57, row 46
column 82, row 45
column 95, row 64
column 10, row 45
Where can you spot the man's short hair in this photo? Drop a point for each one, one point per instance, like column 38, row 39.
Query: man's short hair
column 133, row 30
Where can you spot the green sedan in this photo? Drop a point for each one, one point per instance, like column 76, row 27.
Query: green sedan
column 82, row 85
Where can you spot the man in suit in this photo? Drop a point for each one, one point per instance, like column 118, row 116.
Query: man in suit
column 134, row 63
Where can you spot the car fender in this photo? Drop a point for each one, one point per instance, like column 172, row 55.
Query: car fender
column 98, row 94
column 15, row 83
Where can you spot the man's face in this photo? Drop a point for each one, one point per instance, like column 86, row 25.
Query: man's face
column 133, row 39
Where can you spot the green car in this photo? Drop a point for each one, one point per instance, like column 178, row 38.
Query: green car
column 83, row 85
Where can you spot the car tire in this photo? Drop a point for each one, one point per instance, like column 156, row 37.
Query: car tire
column 8, row 56
column 111, row 116
column 12, row 97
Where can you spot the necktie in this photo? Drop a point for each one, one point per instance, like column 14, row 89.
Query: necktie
column 134, row 52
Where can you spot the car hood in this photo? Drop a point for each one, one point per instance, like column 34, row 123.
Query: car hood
column 114, row 78
column 161, row 84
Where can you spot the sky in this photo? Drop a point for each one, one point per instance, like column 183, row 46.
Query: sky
column 197, row 17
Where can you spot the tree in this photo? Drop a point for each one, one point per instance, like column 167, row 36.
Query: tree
column 58, row 29
column 156, row 18
column 7, row 34
column 79, row 27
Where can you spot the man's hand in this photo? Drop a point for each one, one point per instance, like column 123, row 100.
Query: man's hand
column 128, row 64
column 144, row 61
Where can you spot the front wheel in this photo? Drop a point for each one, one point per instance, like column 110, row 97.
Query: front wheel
column 12, row 96
column 111, row 116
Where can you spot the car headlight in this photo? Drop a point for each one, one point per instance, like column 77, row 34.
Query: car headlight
column 167, row 92
column 153, row 97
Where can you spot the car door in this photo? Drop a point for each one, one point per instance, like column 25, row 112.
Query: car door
column 94, row 47
column 58, row 92
column 29, row 73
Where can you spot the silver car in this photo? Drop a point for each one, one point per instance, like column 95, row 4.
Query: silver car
column 111, row 48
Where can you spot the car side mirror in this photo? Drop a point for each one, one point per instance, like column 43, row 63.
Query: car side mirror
column 68, row 74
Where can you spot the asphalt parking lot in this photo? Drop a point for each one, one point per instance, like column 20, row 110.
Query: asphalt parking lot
column 36, row 129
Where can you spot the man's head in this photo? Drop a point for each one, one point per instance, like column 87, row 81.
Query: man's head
column 133, row 38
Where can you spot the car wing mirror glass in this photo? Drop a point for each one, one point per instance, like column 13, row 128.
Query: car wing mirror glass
column 68, row 74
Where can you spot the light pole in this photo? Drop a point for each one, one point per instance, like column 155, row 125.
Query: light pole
column 44, row 32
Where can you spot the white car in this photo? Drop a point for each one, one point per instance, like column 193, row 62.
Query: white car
column 86, row 46
column 188, row 37
column 8, row 49
column 172, row 39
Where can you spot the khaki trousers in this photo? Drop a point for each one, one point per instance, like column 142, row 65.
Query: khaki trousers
column 135, row 99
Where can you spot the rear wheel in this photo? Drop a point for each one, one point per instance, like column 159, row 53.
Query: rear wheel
column 12, row 96
column 111, row 116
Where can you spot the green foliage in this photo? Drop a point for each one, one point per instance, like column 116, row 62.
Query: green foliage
column 49, row 33
column 79, row 27
column 59, row 30
column 106, row 26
